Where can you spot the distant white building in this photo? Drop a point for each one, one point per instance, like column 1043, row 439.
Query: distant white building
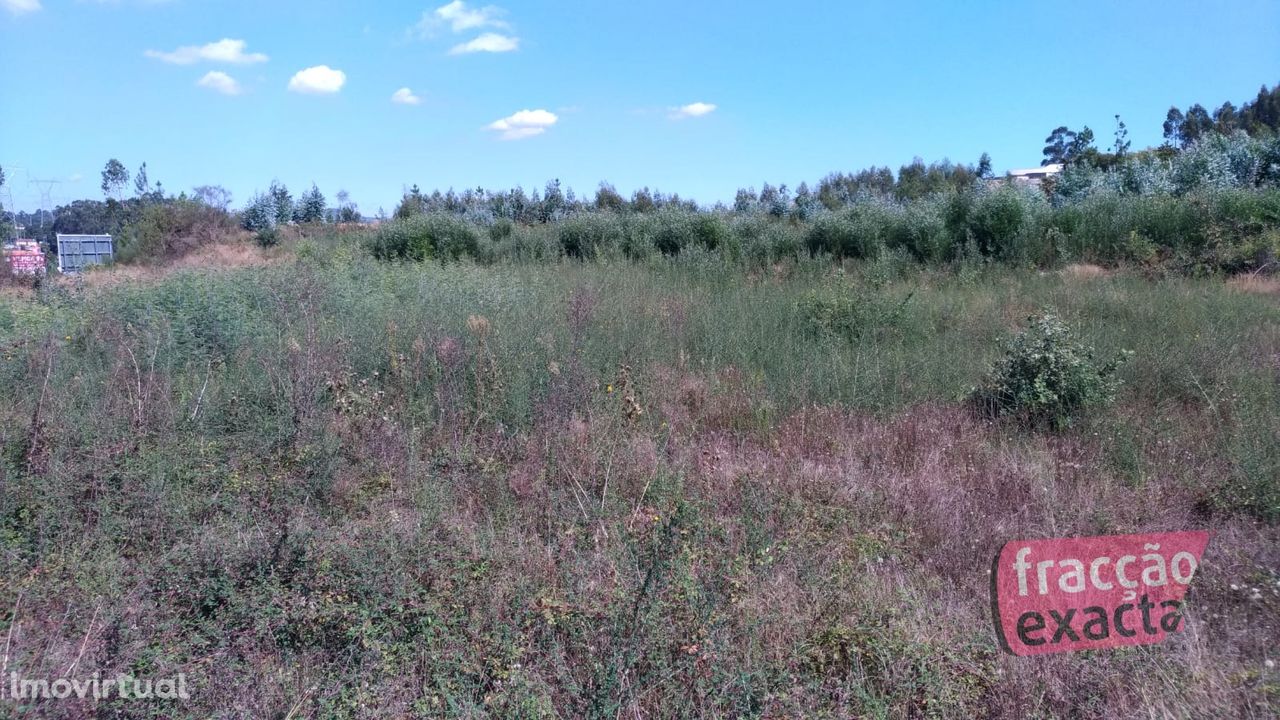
column 1034, row 176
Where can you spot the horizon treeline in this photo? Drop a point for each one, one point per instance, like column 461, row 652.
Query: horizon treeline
column 1110, row 204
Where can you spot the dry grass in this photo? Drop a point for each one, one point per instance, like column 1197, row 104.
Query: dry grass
column 836, row 563
column 1255, row 283
column 1085, row 271
column 230, row 254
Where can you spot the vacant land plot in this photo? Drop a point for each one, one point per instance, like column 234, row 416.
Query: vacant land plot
column 323, row 486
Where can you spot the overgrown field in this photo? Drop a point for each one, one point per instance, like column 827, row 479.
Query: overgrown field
column 336, row 487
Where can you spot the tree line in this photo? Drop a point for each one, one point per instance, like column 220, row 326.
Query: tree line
column 1255, row 117
column 1259, row 117
column 129, row 196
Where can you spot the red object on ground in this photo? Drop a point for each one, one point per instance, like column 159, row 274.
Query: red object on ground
column 1091, row 593
column 25, row 259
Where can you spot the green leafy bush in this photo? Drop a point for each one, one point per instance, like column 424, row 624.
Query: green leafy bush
column 1208, row 231
column 267, row 237
column 709, row 230
column 672, row 231
column 921, row 230
column 637, row 235
column 1203, row 232
column 757, row 240
column 501, row 229
column 858, row 232
column 526, row 243
column 165, row 230
column 422, row 237
column 590, row 235
column 996, row 221
column 830, row 234
column 785, row 242
column 1046, row 377
column 849, row 313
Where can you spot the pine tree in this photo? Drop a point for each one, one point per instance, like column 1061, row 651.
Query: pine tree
column 984, row 166
column 282, row 203
column 259, row 214
column 310, row 207
column 140, row 184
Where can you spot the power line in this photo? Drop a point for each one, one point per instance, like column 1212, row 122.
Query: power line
column 9, row 205
column 45, row 187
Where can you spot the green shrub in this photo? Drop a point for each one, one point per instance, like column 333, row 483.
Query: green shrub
column 858, row 232
column 501, row 229
column 710, row 231
column 757, row 240
column 785, row 241
column 1046, row 377
column 921, row 230
column 672, row 231
column 1089, row 231
column 589, row 235
column 1251, row 211
column 422, row 237
column 577, row 239
column 1005, row 222
column 830, row 234
column 1208, row 231
column 529, row 243
column 849, row 313
column 1222, row 231
column 267, row 237
column 637, row 241
column 745, row 244
column 169, row 229
column 995, row 222
column 1245, row 234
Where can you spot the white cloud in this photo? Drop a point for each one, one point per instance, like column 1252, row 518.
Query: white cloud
column 220, row 82
column 460, row 18
column 20, row 7
column 405, row 96
column 524, row 124
column 488, row 42
column 318, row 80
column 225, row 50
column 691, row 110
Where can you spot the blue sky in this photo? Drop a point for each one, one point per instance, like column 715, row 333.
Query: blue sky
column 777, row 92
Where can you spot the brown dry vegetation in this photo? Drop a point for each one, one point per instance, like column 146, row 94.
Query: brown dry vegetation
column 1085, row 271
column 227, row 254
column 1255, row 283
